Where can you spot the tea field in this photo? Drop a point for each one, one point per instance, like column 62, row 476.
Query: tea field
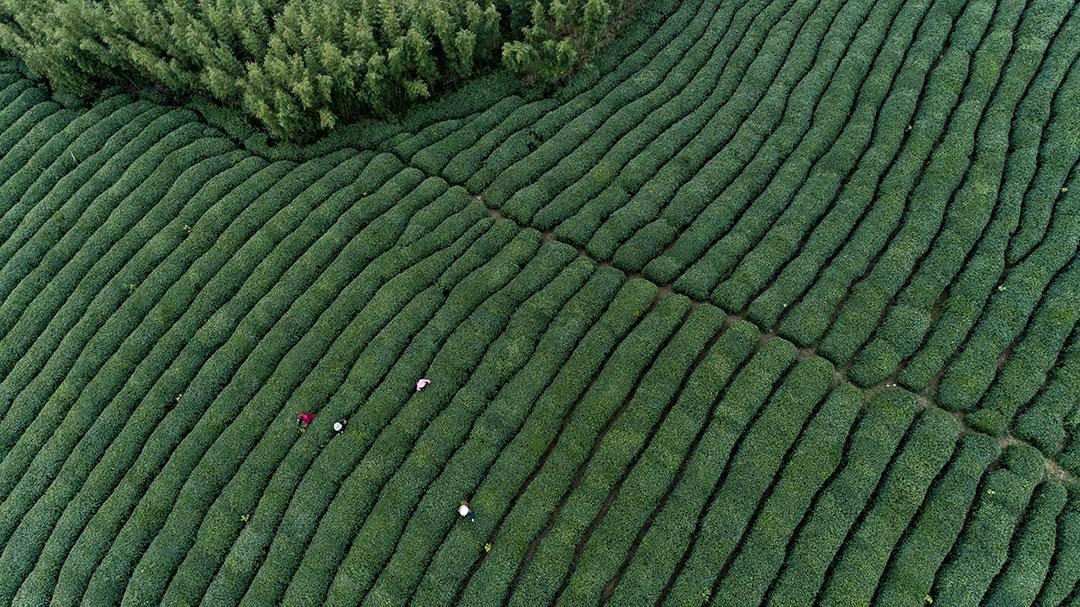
column 774, row 303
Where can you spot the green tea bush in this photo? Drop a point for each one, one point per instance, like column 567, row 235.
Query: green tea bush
column 1069, row 457
column 966, row 298
column 837, row 507
column 794, row 107
column 1019, row 581
column 971, row 208
column 654, row 562
column 934, row 190
column 17, row 97
column 1043, row 423
column 841, row 121
column 494, row 430
column 532, row 123
column 982, row 549
column 764, row 81
column 307, row 231
column 100, row 483
column 1008, row 313
column 300, row 69
column 566, row 139
column 119, row 276
column 37, row 211
column 505, row 359
column 69, row 260
column 815, row 458
column 21, row 116
column 653, row 476
column 673, row 123
column 640, row 152
column 221, row 524
column 1029, row 362
column 205, row 232
column 399, row 286
column 533, row 507
column 927, row 542
column 864, row 557
column 407, row 188
column 40, row 149
column 1058, row 169
column 435, row 155
column 469, row 165
column 765, row 449
column 1064, row 566
column 215, row 324
column 811, row 317
column 91, row 201
column 905, row 89
column 509, row 472
column 476, row 287
column 158, row 230
column 672, row 156
column 93, row 144
column 473, row 250
column 309, row 347
column 890, row 184
column 52, row 124
column 221, row 190
column 622, row 446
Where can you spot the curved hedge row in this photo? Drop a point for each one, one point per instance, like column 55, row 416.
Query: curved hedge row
column 847, row 373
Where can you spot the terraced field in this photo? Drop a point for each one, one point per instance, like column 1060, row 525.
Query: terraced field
column 776, row 303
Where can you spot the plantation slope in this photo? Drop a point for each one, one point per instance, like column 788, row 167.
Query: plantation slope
column 778, row 305
column 887, row 183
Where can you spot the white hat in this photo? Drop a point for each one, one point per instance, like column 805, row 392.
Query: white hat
column 338, row 426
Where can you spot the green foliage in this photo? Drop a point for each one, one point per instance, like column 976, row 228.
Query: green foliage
column 620, row 125
column 654, row 473
column 628, row 436
column 1021, row 579
column 1043, row 423
column 983, row 547
column 971, row 208
column 559, row 34
column 413, row 477
column 606, row 393
column 872, row 446
column 753, row 467
column 299, row 68
column 817, row 455
column 891, row 184
column 868, row 548
column 810, row 183
column 696, row 169
column 974, row 73
column 655, row 561
column 1033, row 357
column 931, row 536
column 1065, row 564
column 809, row 318
column 512, row 467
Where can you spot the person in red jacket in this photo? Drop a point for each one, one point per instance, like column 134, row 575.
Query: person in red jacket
column 303, row 419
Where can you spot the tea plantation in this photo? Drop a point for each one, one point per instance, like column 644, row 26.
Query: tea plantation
column 774, row 303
